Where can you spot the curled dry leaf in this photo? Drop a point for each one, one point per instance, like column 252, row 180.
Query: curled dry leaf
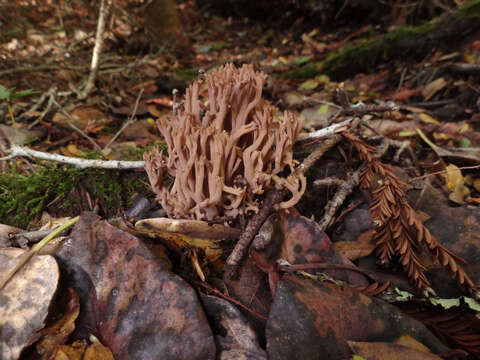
column 189, row 233
column 25, row 300
column 5, row 232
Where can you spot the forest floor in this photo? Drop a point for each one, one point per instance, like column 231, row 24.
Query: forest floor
column 421, row 114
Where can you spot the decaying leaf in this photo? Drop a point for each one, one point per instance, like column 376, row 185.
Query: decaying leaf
column 5, row 232
column 433, row 87
column 80, row 116
column 309, row 318
column 25, row 300
column 138, row 308
column 58, row 333
column 389, row 351
column 96, row 351
column 456, row 184
column 237, row 341
column 189, row 233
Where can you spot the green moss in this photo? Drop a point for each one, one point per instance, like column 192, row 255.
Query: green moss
column 306, row 71
column 188, row 74
column 54, row 188
column 470, row 10
column 403, row 42
column 364, row 56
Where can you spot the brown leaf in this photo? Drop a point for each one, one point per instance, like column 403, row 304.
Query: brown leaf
column 304, row 242
column 58, row 333
column 80, row 116
column 324, row 316
column 189, row 234
column 433, row 87
column 96, row 351
column 138, row 308
column 238, row 339
column 388, row 351
column 353, row 250
column 25, row 300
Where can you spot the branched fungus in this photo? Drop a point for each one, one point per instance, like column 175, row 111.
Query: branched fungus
column 225, row 150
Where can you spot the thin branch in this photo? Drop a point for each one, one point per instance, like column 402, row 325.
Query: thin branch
column 343, row 191
column 325, row 132
column 128, row 122
column 16, row 151
column 97, row 50
column 229, row 298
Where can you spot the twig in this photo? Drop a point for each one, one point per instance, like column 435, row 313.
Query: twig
column 81, row 132
column 39, row 102
column 330, row 181
column 16, row 151
column 229, row 298
column 51, row 99
column 128, row 122
column 24, row 238
column 325, row 132
column 400, row 83
column 84, row 134
column 343, row 191
column 273, row 197
column 430, row 104
column 35, row 249
column 97, row 49
column 442, row 172
column 463, row 68
column 324, row 266
column 361, row 109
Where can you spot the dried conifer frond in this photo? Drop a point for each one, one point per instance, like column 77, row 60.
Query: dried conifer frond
column 399, row 231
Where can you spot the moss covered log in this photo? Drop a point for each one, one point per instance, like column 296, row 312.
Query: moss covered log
column 411, row 41
column 401, row 43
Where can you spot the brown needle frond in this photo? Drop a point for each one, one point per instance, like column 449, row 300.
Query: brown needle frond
column 399, row 232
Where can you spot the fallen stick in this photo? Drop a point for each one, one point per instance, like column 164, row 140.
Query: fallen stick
column 16, row 151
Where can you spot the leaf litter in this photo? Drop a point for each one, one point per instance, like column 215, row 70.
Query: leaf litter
column 140, row 295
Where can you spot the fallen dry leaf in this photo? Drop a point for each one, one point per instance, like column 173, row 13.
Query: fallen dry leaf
column 308, row 318
column 388, row 351
column 237, row 340
column 96, row 351
column 433, row 87
column 138, row 308
column 58, row 333
column 25, row 300
column 189, row 234
column 80, row 116
column 408, row 341
column 5, row 232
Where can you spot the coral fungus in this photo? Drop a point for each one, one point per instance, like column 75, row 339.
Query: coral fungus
column 225, row 149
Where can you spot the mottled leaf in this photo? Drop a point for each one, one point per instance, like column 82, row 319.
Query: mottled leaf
column 25, row 299
column 135, row 304
column 309, row 318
